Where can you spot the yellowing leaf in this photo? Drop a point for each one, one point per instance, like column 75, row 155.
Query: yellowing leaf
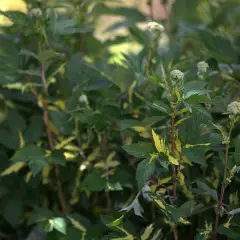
column 160, row 204
column 64, row 142
column 145, row 135
column 181, row 178
column 93, row 155
column 163, row 181
column 21, row 140
column 110, row 156
column 13, row 168
column 147, row 232
column 159, row 143
column 130, row 91
column 178, row 145
column 196, row 145
column 45, row 173
column 28, row 176
column 173, row 160
column 182, row 220
column 139, row 129
column 77, row 224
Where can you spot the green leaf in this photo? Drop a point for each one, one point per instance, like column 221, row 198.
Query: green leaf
column 195, row 92
column 139, row 150
column 229, row 232
column 145, row 170
column 94, row 182
column 33, row 155
column 237, row 150
column 57, row 157
column 195, row 155
column 61, row 122
column 40, row 215
column 13, row 211
column 208, row 190
column 60, row 224
column 147, row 232
column 160, row 106
column 28, row 53
column 116, row 222
column 35, row 130
column 128, row 123
column 15, row 16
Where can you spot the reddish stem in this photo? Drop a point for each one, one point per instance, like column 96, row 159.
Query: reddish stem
column 220, row 202
column 51, row 141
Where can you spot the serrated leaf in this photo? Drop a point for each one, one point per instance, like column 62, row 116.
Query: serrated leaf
column 139, row 150
column 145, row 170
column 160, row 106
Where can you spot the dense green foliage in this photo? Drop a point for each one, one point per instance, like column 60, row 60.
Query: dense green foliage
column 98, row 145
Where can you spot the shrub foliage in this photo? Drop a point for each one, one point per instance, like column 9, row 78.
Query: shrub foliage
column 96, row 144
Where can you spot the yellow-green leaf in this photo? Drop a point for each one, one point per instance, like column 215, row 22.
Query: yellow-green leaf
column 147, row 232
column 13, row 168
column 181, row 178
column 183, row 221
column 173, row 160
column 160, row 203
column 197, row 145
column 178, row 145
column 139, row 129
column 159, row 143
column 165, row 180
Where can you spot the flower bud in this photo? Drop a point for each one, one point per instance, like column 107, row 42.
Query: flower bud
column 155, row 29
column 234, row 108
column 83, row 99
column 202, row 68
column 35, row 12
column 177, row 78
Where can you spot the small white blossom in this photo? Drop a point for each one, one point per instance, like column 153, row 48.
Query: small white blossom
column 83, row 99
column 35, row 12
column 202, row 67
column 234, row 108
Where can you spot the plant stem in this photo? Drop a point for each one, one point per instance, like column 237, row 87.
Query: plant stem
column 148, row 60
column 174, row 170
column 224, row 183
column 61, row 197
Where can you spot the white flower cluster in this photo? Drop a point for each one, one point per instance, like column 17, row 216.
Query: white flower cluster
column 202, row 68
column 35, row 12
column 234, row 108
column 177, row 75
column 155, row 29
column 177, row 78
